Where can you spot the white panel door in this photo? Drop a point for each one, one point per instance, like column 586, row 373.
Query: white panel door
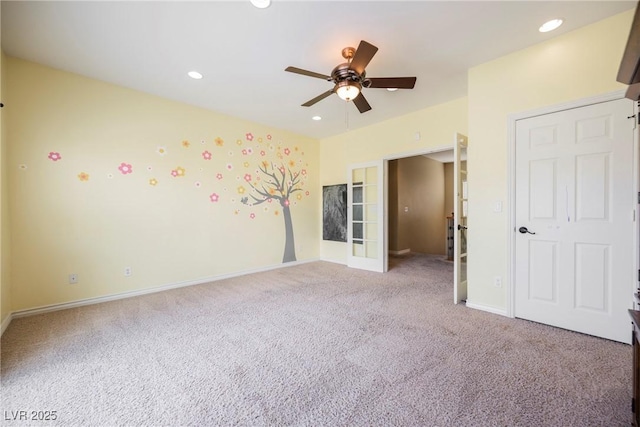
column 574, row 260
column 366, row 216
column 460, row 218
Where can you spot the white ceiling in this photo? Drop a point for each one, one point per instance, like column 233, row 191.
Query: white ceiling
column 243, row 51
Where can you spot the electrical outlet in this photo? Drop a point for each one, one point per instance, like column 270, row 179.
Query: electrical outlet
column 73, row 278
column 127, row 271
column 497, row 282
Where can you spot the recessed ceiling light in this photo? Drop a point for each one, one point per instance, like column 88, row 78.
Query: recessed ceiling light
column 194, row 75
column 316, row 118
column 392, row 89
column 550, row 25
column 261, row 4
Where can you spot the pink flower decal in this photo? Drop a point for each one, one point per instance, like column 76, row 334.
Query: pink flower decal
column 252, row 215
column 174, row 173
column 285, row 202
column 303, row 172
column 249, row 151
column 214, row 197
column 247, row 177
column 219, row 176
column 281, row 168
column 125, row 168
column 306, row 193
column 287, row 151
column 54, row 156
column 262, row 153
column 269, row 137
column 244, row 151
column 229, row 166
column 249, row 136
column 206, row 155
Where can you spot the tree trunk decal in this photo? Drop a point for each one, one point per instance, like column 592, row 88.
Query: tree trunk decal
column 289, row 245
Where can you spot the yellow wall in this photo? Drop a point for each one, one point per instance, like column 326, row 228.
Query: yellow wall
column 390, row 139
column 95, row 225
column 578, row 64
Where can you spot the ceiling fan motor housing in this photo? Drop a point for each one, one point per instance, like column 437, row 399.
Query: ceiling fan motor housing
column 343, row 73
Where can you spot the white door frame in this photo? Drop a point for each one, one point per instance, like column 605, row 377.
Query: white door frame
column 511, row 191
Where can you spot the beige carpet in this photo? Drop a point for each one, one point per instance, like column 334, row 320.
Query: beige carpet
column 311, row 345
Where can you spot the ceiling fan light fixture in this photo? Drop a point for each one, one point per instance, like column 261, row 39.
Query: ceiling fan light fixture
column 550, row 25
column 348, row 90
column 194, row 75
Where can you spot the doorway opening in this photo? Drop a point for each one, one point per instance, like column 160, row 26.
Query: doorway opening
column 421, row 205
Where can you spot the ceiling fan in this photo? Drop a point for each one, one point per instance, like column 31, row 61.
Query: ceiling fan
column 350, row 77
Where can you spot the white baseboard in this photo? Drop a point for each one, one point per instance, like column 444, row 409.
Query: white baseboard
column 130, row 294
column 335, row 261
column 488, row 308
column 5, row 323
column 400, row 252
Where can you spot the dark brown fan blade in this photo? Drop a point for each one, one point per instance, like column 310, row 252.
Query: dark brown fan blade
column 633, row 92
column 392, row 82
column 307, row 73
column 310, row 102
column 361, row 103
column 363, row 55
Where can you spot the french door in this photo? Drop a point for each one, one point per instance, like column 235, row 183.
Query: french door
column 366, row 216
column 460, row 218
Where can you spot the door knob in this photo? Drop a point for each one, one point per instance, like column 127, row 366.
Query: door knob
column 524, row 230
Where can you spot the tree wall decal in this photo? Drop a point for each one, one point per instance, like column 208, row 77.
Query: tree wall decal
column 279, row 175
column 277, row 184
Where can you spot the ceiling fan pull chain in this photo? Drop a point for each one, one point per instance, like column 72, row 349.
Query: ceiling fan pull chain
column 346, row 116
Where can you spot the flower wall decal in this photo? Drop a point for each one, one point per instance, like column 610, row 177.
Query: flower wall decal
column 55, row 156
column 125, row 168
column 268, row 178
